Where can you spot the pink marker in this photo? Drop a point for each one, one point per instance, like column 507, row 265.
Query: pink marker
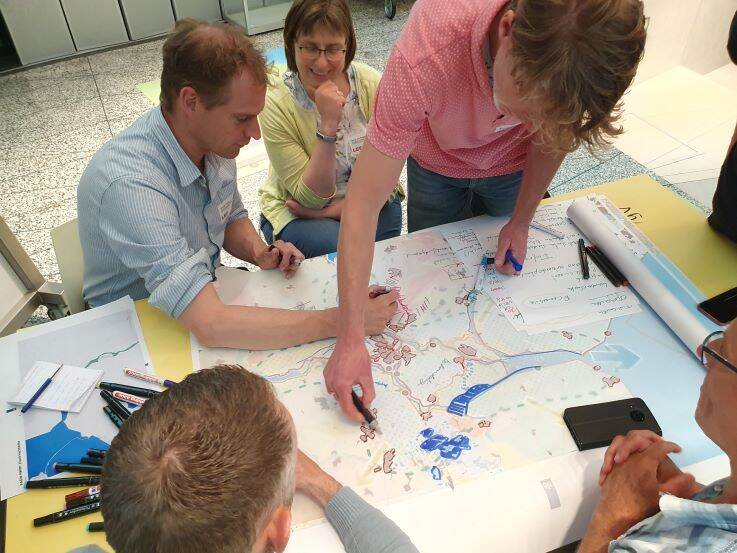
column 122, row 396
column 152, row 378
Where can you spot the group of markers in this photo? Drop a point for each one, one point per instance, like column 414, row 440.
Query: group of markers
column 87, row 501
column 606, row 266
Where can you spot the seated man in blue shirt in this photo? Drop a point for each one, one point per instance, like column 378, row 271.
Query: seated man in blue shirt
column 633, row 517
column 199, row 469
column 158, row 202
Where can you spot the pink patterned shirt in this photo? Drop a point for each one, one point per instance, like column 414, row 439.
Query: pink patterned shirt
column 435, row 100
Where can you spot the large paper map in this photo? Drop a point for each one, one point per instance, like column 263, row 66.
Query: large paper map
column 462, row 392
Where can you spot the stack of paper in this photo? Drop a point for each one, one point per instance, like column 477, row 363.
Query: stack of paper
column 550, row 293
column 68, row 391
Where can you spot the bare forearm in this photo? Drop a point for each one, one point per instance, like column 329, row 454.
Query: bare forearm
column 540, row 167
column 242, row 241
column 370, row 185
column 319, row 176
column 260, row 328
column 355, row 247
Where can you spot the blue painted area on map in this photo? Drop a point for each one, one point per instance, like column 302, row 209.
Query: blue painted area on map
column 60, row 444
column 332, row 257
column 436, row 474
column 459, row 404
column 449, row 448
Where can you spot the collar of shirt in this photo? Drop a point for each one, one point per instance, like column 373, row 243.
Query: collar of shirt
column 187, row 171
column 479, row 38
column 697, row 512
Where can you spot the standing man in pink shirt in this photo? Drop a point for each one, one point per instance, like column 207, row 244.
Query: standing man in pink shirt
column 483, row 98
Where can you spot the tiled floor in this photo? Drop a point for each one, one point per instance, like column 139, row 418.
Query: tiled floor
column 53, row 118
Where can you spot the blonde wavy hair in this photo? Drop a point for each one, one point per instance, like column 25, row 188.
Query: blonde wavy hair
column 575, row 59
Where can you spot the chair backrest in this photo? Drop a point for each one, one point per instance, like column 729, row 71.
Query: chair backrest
column 68, row 251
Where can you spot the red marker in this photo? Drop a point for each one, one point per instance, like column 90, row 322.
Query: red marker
column 152, row 378
column 129, row 398
column 82, row 493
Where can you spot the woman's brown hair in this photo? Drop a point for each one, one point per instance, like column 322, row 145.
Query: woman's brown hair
column 307, row 15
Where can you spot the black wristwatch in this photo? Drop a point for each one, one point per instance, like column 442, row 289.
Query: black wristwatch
column 326, row 138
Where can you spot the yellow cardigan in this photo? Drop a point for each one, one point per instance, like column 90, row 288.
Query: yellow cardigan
column 288, row 131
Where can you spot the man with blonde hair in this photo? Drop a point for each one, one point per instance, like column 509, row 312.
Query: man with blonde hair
column 484, row 97
column 211, row 466
column 159, row 201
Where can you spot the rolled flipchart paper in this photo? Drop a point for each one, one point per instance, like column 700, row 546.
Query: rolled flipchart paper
column 589, row 220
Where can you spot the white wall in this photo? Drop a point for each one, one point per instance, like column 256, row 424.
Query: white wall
column 686, row 32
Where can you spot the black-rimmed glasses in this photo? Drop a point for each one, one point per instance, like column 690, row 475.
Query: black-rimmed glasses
column 332, row 54
column 706, row 349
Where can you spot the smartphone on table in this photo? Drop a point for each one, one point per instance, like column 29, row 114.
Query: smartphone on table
column 721, row 309
column 596, row 425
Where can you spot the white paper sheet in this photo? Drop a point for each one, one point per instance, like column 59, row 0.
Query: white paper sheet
column 69, row 389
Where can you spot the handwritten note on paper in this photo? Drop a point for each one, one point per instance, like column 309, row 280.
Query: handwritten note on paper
column 68, row 391
column 550, row 293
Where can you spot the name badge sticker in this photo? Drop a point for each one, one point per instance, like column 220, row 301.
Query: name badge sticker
column 224, row 209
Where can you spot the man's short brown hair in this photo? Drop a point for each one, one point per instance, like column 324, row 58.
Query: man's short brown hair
column 200, row 467
column 206, row 56
column 307, row 15
column 575, row 59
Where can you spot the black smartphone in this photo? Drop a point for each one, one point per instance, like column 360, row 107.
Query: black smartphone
column 721, row 309
column 596, row 425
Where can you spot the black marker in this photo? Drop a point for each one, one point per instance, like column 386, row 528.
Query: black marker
column 77, row 467
column 582, row 258
column 373, row 424
column 611, row 266
column 67, row 514
column 596, row 258
column 134, row 390
column 96, row 527
column 91, row 461
column 117, row 421
column 72, row 482
column 117, row 407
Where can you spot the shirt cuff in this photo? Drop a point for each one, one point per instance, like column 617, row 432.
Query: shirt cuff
column 344, row 509
column 174, row 294
column 307, row 198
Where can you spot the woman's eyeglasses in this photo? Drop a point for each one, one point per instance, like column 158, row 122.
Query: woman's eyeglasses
column 312, row 53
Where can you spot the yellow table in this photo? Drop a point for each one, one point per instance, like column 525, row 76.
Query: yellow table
column 677, row 228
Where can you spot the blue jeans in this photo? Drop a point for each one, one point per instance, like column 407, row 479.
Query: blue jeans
column 315, row 237
column 436, row 200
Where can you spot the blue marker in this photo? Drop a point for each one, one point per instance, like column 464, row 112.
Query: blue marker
column 516, row 264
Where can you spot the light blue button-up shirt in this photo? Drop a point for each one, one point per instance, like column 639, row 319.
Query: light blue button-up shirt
column 151, row 224
column 684, row 525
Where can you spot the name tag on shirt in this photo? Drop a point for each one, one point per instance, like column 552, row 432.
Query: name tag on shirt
column 224, row 209
column 356, row 144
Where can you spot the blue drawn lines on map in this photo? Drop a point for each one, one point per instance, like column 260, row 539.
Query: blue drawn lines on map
column 459, row 404
column 615, row 357
column 58, row 444
column 110, row 354
column 436, row 474
column 449, row 448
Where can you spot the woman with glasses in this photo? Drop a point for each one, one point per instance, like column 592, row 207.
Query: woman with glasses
column 647, row 503
column 314, row 125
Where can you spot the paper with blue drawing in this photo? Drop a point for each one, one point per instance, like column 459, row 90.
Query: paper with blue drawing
column 103, row 341
column 465, row 386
